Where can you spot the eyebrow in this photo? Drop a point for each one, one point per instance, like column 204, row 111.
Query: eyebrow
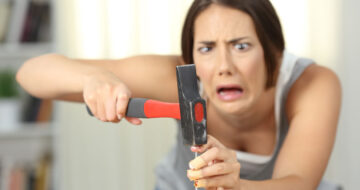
column 209, row 43
column 237, row 39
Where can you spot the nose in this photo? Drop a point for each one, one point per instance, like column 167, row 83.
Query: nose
column 226, row 66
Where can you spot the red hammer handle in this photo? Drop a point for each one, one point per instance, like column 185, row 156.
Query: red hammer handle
column 146, row 108
column 155, row 109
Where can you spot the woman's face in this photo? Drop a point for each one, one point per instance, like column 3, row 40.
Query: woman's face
column 229, row 58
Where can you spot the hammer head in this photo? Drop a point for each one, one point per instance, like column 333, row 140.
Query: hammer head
column 192, row 106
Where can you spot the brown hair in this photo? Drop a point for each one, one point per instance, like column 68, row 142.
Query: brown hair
column 267, row 26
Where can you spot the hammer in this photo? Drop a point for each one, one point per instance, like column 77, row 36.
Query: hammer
column 191, row 109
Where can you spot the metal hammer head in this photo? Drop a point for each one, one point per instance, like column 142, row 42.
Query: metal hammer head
column 192, row 106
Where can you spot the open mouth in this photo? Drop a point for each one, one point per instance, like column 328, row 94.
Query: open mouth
column 229, row 92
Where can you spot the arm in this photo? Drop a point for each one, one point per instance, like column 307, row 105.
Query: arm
column 313, row 109
column 58, row 77
column 104, row 85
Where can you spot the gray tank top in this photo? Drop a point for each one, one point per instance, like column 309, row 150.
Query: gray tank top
column 171, row 171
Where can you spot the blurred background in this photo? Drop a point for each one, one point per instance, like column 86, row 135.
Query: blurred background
column 56, row 145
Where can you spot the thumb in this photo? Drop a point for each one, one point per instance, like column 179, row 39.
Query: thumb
column 134, row 120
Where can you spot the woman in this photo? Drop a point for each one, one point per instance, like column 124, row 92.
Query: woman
column 272, row 116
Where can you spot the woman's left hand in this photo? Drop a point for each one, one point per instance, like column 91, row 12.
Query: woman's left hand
column 216, row 168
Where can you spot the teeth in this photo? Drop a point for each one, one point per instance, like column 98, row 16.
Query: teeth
column 225, row 91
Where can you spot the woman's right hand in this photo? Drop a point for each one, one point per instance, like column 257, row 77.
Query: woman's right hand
column 107, row 97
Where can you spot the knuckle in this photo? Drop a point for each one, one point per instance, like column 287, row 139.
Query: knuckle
column 90, row 98
column 123, row 96
column 220, row 167
column 111, row 117
column 233, row 153
column 216, row 150
column 99, row 91
column 237, row 166
column 107, row 87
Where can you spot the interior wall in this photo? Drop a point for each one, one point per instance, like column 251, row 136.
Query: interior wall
column 345, row 164
column 327, row 31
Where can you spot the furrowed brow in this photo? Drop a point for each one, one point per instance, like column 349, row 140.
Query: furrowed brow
column 237, row 40
column 207, row 43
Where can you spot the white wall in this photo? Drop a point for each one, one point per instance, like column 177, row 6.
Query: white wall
column 327, row 31
column 345, row 166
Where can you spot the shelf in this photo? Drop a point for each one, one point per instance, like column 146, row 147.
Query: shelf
column 27, row 131
column 27, row 142
column 15, row 54
column 9, row 51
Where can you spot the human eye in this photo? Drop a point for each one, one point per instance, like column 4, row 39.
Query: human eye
column 205, row 49
column 242, row 46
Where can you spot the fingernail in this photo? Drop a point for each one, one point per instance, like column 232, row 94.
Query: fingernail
column 199, row 183
column 191, row 167
column 194, row 148
column 197, row 163
column 119, row 116
column 194, row 174
column 137, row 122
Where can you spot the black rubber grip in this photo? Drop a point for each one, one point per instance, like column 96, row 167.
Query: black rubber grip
column 135, row 108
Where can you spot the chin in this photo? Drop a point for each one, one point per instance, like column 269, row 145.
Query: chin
column 233, row 107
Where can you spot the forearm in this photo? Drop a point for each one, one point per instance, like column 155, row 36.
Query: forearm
column 285, row 183
column 53, row 76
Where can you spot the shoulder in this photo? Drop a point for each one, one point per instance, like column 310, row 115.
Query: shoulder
column 315, row 86
column 312, row 108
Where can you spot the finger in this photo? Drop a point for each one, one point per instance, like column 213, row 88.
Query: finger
column 214, row 162
column 121, row 104
column 224, row 181
column 91, row 103
column 134, row 120
column 221, row 168
column 92, row 108
column 110, row 110
column 220, row 188
column 211, row 142
column 211, row 188
column 214, row 153
column 100, row 111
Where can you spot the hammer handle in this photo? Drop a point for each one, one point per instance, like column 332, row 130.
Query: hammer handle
column 146, row 108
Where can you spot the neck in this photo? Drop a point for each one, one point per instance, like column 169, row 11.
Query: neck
column 229, row 128
column 249, row 119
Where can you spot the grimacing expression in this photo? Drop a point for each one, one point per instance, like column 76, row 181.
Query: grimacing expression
column 229, row 58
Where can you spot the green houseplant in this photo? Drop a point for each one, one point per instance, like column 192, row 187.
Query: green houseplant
column 8, row 85
column 9, row 101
